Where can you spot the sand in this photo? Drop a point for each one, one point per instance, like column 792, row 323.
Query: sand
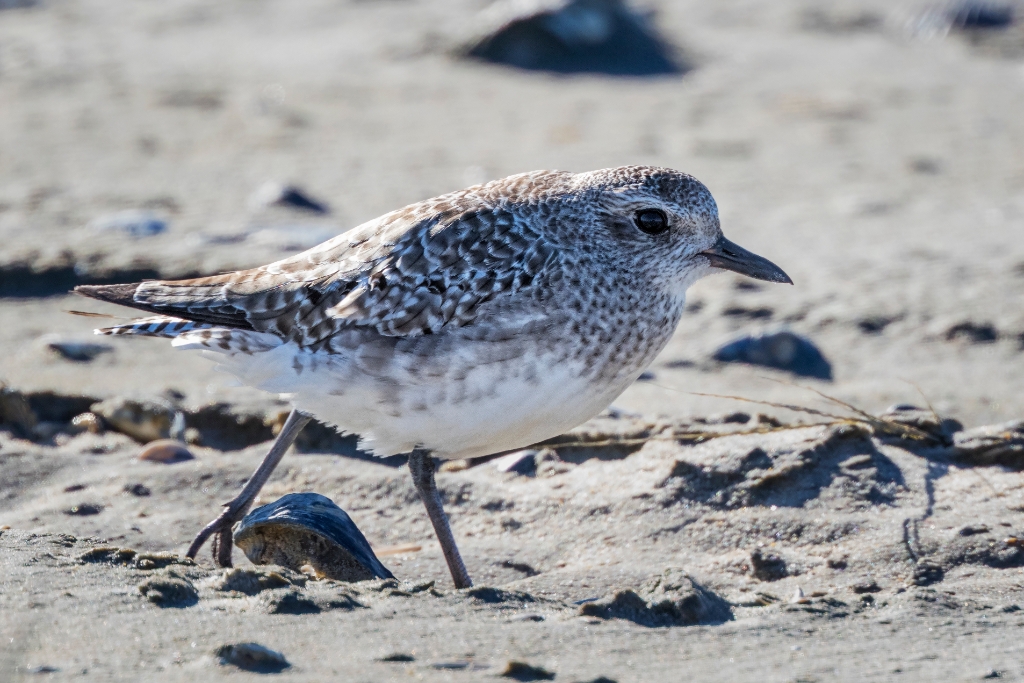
column 878, row 167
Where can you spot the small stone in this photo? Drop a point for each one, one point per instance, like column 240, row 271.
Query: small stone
column 289, row 196
column 781, row 350
column 798, row 597
column 140, row 490
column 74, row 350
column 767, row 567
column 572, row 36
column 454, row 466
column 865, row 587
column 521, row 671
column 973, row 530
column 252, row 657
column 970, row 331
column 84, row 510
column 169, row 590
column 397, row 657
column 167, row 451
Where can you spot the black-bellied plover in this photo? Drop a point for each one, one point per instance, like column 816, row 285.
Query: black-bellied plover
column 473, row 323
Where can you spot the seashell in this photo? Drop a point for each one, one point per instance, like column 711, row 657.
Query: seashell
column 165, row 451
column 86, row 422
column 309, row 529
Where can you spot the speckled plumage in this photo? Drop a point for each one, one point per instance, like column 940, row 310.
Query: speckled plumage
column 475, row 322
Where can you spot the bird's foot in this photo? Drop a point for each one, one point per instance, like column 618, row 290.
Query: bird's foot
column 221, row 530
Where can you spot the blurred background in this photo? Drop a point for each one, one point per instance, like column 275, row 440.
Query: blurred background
column 872, row 149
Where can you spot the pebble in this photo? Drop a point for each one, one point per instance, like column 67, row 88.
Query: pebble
column 572, row 36
column 165, row 451
column 798, row 597
column 252, row 657
column 767, row 567
column 522, row 671
column 973, row 332
column 397, row 657
column 140, row 490
column 133, row 222
column 84, row 510
column 279, row 194
column 781, row 350
column 73, row 349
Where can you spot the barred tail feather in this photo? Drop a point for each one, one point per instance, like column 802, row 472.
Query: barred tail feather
column 156, row 326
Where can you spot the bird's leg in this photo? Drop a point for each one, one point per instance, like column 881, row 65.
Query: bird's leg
column 421, row 465
column 236, row 508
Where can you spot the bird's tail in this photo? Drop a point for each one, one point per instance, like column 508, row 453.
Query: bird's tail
column 165, row 326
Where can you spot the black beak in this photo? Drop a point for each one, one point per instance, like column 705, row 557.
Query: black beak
column 729, row 256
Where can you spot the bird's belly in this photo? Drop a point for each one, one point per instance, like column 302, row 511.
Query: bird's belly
column 492, row 410
column 467, row 412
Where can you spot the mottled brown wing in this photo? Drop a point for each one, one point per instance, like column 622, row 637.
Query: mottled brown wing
column 409, row 273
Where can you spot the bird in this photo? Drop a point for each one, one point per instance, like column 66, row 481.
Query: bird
column 477, row 322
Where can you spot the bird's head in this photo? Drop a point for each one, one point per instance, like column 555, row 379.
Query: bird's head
column 668, row 222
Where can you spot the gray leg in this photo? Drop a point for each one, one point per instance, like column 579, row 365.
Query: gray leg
column 240, row 504
column 421, row 465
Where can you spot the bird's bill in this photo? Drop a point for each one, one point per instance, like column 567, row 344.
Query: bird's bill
column 730, row 256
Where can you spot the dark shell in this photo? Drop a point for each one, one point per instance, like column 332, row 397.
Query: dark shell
column 309, row 529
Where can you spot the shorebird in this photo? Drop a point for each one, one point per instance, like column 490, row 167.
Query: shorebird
column 476, row 322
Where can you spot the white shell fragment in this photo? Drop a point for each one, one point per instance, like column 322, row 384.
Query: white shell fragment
column 309, row 529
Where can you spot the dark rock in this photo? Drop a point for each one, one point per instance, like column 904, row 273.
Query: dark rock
column 169, row 590
column 575, row 36
column 875, row 324
column 252, row 657
column 869, row 586
column 668, row 599
column 289, row 196
column 780, row 350
column 972, row 14
column 759, row 313
column 140, row 490
column 84, row 509
column 78, row 351
column 397, row 657
column 767, row 567
column 975, row 333
column 973, row 530
column 1001, row 444
column 521, row 671
column 309, row 529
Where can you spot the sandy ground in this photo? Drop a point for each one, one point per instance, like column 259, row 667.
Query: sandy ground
column 881, row 169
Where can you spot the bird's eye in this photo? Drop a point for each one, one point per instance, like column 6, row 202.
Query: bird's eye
column 651, row 221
